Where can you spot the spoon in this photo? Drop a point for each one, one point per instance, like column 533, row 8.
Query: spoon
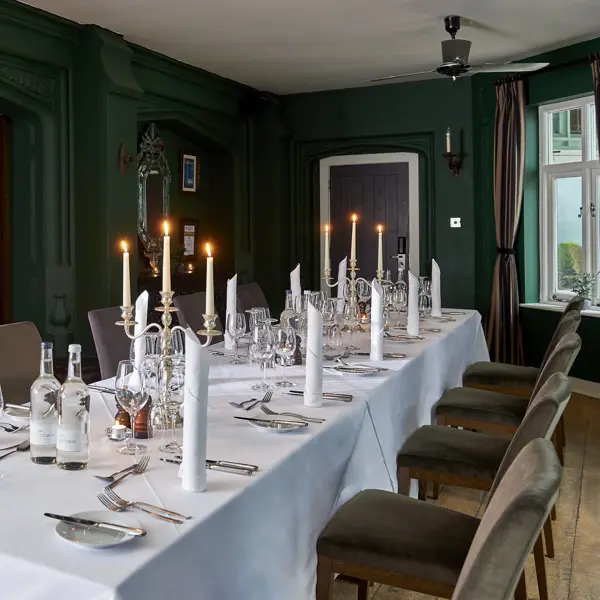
column 20, row 448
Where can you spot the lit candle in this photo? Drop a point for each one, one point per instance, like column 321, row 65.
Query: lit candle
column 353, row 244
column 448, row 146
column 327, row 265
column 380, row 248
column 166, row 279
column 126, row 276
column 210, row 284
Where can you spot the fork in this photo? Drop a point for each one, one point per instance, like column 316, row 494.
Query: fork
column 111, row 478
column 268, row 411
column 10, row 428
column 116, row 508
column 266, row 398
column 137, row 470
column 114, row 497
column 244, row 403
column 343, row 362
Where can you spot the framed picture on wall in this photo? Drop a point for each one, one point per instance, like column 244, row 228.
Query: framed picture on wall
column 189, row 236
column 189, row 173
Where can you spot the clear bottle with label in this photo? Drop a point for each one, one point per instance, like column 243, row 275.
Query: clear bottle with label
column 43, row 398
column 73, row 431
column 288, row 316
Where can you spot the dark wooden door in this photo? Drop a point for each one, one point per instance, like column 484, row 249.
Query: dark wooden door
column 5, row 275
column 378, row 194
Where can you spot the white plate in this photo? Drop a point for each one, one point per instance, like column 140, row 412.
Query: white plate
column 86, row 536
column 276, row 427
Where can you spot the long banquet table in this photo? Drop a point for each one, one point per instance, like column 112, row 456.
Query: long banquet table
column 251, row 538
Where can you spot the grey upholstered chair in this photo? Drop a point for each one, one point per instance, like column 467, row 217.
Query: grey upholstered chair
column 20, row 364
column 399, row 541
column 516, row 379
column 191, row 308
column 250, row 295
column 112, row 345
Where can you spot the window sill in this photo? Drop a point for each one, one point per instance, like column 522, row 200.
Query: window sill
column 588, row 312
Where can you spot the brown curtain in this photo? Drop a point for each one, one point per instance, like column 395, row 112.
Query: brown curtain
column 504, row 332
column 595, row 61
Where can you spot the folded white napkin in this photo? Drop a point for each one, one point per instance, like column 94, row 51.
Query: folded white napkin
column 313, row 386
column 376, row 321
column 141, row 318
column 412, row 323
column 195, row 407
column 231, row 308
column 342, row 284
column 436, row 290
column 295, row 284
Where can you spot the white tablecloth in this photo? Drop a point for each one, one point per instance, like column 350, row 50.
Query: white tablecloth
column 251, row 538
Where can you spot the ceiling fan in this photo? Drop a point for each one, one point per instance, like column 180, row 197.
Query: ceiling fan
column 455, row 59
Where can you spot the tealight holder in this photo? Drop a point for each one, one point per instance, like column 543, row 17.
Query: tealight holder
column 118, row 433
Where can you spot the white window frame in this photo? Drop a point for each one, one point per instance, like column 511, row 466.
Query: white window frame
column 588, row 168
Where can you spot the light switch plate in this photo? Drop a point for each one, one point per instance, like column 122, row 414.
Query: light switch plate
column 455, row 222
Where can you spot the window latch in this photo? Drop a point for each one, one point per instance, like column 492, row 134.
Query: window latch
column 580, row 211
column 593, row 210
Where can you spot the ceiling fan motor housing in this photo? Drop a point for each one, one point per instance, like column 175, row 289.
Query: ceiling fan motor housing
column 455, row 58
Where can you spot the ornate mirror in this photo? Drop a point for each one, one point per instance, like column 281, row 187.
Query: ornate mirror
column 154, row 185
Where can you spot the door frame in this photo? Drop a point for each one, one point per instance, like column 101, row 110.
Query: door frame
column 412, row 158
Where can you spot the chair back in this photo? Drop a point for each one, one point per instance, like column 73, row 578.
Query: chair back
column 569, row 323
column 112, row 344
column 560, row 361
column 191, row 308
column 250, row 295
column 540, row 421
column 511, row 525
column 575, row 305
column 20, row 364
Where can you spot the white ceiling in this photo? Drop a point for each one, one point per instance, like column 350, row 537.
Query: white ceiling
column 286, row 46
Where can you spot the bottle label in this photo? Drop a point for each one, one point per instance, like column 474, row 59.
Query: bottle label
column 68, row 439
column 42, row 434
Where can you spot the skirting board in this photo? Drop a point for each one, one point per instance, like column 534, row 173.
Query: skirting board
column 584, row 387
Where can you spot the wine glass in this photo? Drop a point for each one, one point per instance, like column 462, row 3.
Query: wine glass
column 236, row 327
column 174, row 384
column 285, row 346
column 352, row 319
column 262, row 349
column 400, row 299
column 329, row 312
column 128, row 389
column 424, row 305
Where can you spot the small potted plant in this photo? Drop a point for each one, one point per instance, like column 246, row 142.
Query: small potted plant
column 583, row 285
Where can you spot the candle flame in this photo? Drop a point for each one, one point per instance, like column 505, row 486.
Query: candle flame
column 124, row 245
column 166, row 227
column 208, row 249
column 379, row 228
column 354, row 217
column 326, row 228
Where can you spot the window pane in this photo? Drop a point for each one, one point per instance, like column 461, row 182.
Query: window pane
column 569, row 231
column 566, row 136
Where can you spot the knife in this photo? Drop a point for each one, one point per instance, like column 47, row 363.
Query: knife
column 213, row 467
column 328, row 395
column 99, row 524
column 226, row 463
column 19, row 407
column 385, row 354
column 298, row 423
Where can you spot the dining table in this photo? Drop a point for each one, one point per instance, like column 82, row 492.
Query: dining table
column 249, row 537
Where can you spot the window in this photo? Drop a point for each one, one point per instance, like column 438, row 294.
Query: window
column 569, row 196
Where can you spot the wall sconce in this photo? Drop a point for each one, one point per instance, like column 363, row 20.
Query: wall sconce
column 454, row 159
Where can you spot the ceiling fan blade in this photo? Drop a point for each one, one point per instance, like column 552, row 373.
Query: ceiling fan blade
column 388, row 77
column 507, row 68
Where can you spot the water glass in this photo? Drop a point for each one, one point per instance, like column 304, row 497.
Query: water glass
column 262, row 350
column 172, row 385
column 236, row 327
column 130, row 395
column 285, row 346
column 352, row 319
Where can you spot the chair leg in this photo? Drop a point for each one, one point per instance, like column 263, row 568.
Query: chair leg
column 435, row 492
column 558, row 447
column 549, row 538
column 561, row 427
column 422, row 490
column 521, row 589
column 324, row 579
column 363, row 590
column 553, row 512
column 404, row 481
column 540, row 568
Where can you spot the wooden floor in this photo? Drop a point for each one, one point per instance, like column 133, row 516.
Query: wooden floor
column 574, row 573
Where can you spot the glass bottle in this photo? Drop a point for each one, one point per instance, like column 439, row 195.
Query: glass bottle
column 73, row 432
column 43, row 397
column 289, row 314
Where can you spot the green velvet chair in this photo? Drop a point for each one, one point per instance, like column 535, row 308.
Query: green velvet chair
column 516, row 379
column 444, row 455
column 500, row 413
column 399, row 541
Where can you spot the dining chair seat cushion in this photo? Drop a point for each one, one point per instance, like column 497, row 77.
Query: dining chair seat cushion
column 482, row 405
column 453, row 451
column 501, row 375
column 391, row 532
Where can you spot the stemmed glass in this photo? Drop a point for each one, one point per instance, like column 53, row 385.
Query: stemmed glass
column 174, row 402
column 424, row 297
column 285, row 346
column 352, row 319
column 400, row 299
column 128, row 389
column 262, row 349
column 329, row 312
column 236, row 327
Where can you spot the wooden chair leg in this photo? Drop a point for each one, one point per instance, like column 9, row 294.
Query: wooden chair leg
column 404, row 481
column 549, row 538
column 540, row 568
column 435, row 492
column 563, row 435
column 324, row 579
column 558, row 447
column 553, row 512
column 422, row 490
column 521, row 589
column 363, row 590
